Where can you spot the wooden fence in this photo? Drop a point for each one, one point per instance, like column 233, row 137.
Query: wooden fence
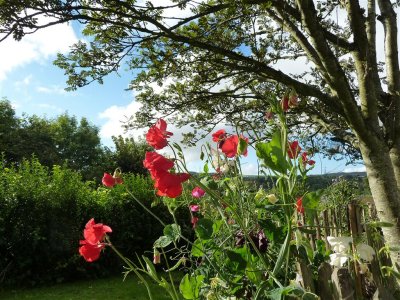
column 358, row 220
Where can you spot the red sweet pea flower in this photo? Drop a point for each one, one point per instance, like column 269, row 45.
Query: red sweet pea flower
column 109, row 181
column 230, row 146
column 299, row 205
column 219, row 135
column 95, row 233
column 198, row 192
column 294, row 149
column 157, row 163
column 306, row 161
column 285, row 103
column 158, row 134
column 170, row 185
column 92, row 244
column 90, row 252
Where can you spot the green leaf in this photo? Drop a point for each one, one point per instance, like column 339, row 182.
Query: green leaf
column 162, row 242
column 253, row 274
column 201, row 155
column 217, row 225
column 277, row 294
column 307, row 230
column 272, row 154
column 176, row 146
column 172, row 231
column 150, row 268
column 210, row 183
column 311, row 200
column 235, row 261
column 242, row 146
column 197, row 248
column 190, row 286
column 204, row 229
column 205, row 168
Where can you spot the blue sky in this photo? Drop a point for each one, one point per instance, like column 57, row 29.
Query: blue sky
column 34, row 85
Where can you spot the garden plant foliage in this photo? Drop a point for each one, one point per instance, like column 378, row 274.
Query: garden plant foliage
column 42, row 212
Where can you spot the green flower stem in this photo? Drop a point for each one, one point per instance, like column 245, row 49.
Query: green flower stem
column 163, row 224
column 145, row 208
column 131, row 267
column 176, row 296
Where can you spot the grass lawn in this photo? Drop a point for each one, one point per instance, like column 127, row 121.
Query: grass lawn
column 102, row 289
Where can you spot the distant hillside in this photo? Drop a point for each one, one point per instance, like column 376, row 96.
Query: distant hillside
column 316, row 182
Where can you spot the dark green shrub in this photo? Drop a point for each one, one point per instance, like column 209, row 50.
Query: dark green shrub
column 43, row 213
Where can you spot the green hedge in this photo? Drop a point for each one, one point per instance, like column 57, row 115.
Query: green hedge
column 43, row 213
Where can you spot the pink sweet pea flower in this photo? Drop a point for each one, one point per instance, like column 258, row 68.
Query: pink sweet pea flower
column 194, row 221
column 194, row 208
column 197, row 192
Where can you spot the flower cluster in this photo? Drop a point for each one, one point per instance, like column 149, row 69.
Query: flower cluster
column 166, row 182
column 289, row 100
column 229, row 144
column 294, row 150
column 198, row 193
column 157, row 135
column 341, row 247
column 94, row 235
column 109, row 180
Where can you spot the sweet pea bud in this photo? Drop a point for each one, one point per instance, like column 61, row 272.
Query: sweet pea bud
column 260, row 195
column 293, row 99
column 118, row 176
column 285, row 102
column 156, row 257
column 269, row 115
column 242, row 147
column 272, row 198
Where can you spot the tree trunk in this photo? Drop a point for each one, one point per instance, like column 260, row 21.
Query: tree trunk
column 395, row 157
column 384, row 190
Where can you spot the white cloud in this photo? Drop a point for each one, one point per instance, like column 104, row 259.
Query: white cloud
column 49, row 107
column 35, row 47
column 15, row 105
column 24, row 82
column 173, row 12
column 114, row 117
column 352, row 169
column 249, row 168
column 54, row 89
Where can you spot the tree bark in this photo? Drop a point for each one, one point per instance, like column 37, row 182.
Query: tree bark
column 384, row 190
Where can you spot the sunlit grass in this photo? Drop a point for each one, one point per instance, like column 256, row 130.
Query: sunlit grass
column 102, row 289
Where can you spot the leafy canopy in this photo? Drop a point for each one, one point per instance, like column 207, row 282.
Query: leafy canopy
column 226, row 60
